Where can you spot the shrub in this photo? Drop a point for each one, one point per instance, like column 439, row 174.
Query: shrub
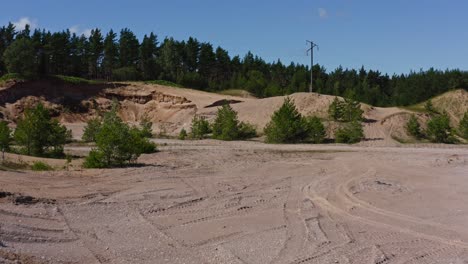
column 125, row 74
column 335, row 110
column 439, row 130
column 91, row 129
column 95, row 159
column 183, row 134
column 146, row 127
column 463, row 127
column 247, row 130
column 315, row 129
column 40, row 166
column 39, row 134
column 117, row 144
column 226, row 124
column 345, row 111
column 199, row 128
column 286, row 125
column 5, row 138
column 350, row 133
column 140, row 141
column 429, row 107
column 413, row 128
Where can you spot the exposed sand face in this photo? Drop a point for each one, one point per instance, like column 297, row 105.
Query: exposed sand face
column 245, row 202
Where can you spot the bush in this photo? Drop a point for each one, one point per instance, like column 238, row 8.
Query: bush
column 463, row 127
column 5, row 138
column 146, row 127
column 200, row 127
column 90, row 131
column 429, row 107
column 125, row 74
column 183, row 134
column 117, row 144
column 350, row 133
column 39, row 134
column 247, row 130
column 439, row 130
column 413, row 128
column 286, row 125
column 345, row 111
column 95, row 159
column 40, row 166
column 227, row 127
column 140, row 141
column 315, row 129
column 335, row 110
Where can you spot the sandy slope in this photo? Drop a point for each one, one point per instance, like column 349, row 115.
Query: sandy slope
column 245, row 202
column 171, row 109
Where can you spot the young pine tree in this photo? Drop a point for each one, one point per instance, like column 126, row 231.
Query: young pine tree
column 287, row 125
column 413, row 127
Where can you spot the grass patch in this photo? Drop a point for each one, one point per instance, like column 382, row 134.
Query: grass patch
column 75, row 80
column 418, row 108
column 40, row 166
column 11, row 76
column 165, row 83
column 236, row 92
column 7, row 165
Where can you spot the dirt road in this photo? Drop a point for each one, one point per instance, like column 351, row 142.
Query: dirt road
column 245, row 202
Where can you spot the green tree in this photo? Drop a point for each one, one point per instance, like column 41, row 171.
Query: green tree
column 226, row 124
column 91, row 130
column 111, row 54
column 117, row 144
column 352, row 111
column 439, row 129
column 463, row 127
column 39, row 134
column 413, row 127
column 183, row 134
column 148, row 51
column 5, row 138
column 20, row 58
column 287, row 125
column 429, row 107
column 315, row 129
column 199, row 128
column 336, row 109
column 128, row 48
column 350, row 133
column 95, row 53
column 146, row 127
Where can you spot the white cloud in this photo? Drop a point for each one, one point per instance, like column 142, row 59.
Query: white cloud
column 22, row 22
column 76, row 29
column 323, row 13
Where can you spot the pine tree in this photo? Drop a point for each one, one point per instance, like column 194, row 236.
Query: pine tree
column 148, row 50
column 20, row 58
column 95, row 55
column 287, row 125
column 128, row 48
column 111, row 54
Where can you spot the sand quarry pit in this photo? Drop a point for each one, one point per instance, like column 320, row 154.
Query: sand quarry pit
column 244, row 202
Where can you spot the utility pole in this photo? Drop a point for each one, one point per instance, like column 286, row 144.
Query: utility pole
column 312, row 46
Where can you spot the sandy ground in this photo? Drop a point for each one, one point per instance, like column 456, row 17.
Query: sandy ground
column 245, row 202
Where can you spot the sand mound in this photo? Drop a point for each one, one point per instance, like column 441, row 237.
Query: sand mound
column 171, row 109
column 454, row 102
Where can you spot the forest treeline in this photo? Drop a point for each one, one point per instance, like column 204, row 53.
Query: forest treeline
column 119, row 56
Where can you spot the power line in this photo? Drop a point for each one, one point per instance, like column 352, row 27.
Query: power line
column 312, row 46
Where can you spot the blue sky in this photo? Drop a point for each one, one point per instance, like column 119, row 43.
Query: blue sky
column 391, row 36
